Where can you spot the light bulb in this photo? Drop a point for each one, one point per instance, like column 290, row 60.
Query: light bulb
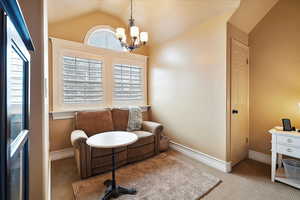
column 144, row 37
column 134, row 31
column 120, row 33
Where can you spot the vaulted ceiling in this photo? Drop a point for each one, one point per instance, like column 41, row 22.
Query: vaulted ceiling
column 163, row 19
column 250, row 13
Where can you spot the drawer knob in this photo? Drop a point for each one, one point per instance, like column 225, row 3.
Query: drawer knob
column 289, row 150
column 289, row 140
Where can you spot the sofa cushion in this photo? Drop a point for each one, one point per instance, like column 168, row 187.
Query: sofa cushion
column 144, row 138
column 120, row 118
column 94, row 122
column 143, row 134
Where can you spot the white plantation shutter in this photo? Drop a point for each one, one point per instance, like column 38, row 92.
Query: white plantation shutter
column 82, row 81
column 88, row 78
column 128, row 83
column 15, row 79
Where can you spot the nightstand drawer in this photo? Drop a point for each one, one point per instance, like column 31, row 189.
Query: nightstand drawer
column 289, row 151
column 288, row 140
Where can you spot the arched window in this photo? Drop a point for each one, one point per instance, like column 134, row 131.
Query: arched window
column 103, row 37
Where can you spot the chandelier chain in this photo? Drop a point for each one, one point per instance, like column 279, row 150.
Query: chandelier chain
column 131, row 17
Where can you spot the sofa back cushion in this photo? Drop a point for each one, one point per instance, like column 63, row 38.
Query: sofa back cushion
column 94, row 122
column 120, row 118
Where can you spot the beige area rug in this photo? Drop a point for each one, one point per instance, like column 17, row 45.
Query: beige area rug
column 163, row 177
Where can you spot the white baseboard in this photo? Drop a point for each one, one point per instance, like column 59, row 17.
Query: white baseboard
column 260, row 157
column 61, row 154
column 202, row 157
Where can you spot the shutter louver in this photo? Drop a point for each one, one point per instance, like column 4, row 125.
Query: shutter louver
column 128, row 83
column 82, row 80
column 16, row 78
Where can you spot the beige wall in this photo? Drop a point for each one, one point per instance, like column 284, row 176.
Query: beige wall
column 75, row 29
column 274, row 72
column 237, row 34
column 60, row 133
column 187, row 86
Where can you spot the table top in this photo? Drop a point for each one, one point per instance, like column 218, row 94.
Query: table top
column 278, row 130
column 112, row 139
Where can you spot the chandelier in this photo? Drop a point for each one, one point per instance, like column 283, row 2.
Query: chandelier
column 137, row 39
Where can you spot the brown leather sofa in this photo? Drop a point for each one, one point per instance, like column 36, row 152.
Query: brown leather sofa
column 92, row 161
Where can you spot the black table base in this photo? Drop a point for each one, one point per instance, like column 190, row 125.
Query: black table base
column 113, row 190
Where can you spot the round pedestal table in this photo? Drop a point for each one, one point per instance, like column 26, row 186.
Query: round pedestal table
column 113, row 140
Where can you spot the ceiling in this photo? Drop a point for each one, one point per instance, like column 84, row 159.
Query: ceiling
column 163, row 19
column 251, row 13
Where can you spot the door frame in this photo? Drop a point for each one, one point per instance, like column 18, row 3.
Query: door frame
column 229, row 107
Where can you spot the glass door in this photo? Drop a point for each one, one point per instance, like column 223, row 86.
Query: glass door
column 15, row 114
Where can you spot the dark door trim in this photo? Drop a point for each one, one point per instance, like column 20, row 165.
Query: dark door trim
column 4, row 155
column 12, row 8
column 10, row 40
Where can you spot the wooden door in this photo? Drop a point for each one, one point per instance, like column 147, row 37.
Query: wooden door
column 239, row 101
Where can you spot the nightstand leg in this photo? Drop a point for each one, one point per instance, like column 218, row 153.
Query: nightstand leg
column 273, row 171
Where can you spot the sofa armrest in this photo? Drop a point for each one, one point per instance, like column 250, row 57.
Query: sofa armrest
column 156, row 129
column 152, row 127
column 78, row 137
column 78, row 140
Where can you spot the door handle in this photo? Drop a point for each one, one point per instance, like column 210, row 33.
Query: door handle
column 235, row 111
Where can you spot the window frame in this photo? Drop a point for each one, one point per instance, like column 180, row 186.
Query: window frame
column 108, row 58
column 100, row 28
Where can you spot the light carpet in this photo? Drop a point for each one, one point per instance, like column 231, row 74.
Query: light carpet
column 163, row 177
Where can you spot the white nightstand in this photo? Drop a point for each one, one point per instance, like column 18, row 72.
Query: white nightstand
column 284, row 143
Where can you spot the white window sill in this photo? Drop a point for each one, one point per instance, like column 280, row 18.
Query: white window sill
column 57, row 115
